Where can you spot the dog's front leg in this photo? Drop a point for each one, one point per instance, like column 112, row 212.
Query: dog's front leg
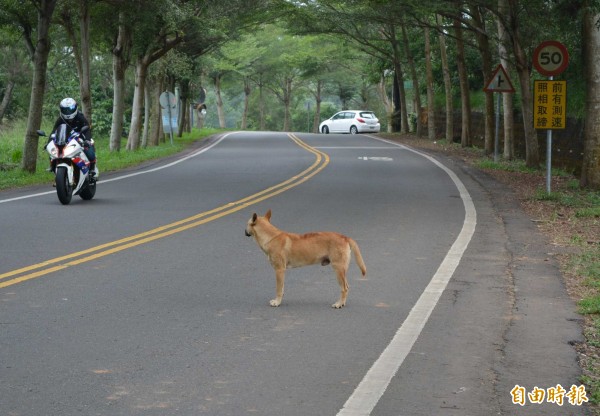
column 279, row 277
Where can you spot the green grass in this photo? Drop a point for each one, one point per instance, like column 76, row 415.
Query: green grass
column 590, row 305
column 520, row 166
column 588, row 212
column 11, row 150
column 506, row 165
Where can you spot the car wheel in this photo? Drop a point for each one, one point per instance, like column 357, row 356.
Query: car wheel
column 353, row 130
column 325, row 130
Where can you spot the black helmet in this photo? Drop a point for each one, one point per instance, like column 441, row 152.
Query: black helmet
column 68, row 108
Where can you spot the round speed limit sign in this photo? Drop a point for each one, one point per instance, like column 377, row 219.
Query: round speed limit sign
column 550, row 58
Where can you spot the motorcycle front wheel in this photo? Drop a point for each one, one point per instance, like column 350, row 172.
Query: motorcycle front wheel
column 64, row 191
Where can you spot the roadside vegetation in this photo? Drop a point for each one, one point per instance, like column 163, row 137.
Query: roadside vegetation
column 11, row 148
column 570, row 217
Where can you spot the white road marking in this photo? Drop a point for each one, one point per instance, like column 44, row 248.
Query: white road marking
column 118, row 178
column 376, row 158
column 372, row 387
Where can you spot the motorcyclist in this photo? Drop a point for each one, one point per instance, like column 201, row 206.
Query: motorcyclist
column 72, row 117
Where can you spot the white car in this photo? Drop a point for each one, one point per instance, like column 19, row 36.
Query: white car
column 351, row 121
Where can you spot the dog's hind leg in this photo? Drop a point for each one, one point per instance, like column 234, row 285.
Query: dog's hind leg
column 280, row 278
column 340, row 271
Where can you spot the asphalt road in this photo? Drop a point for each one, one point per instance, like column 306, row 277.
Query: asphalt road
column 149, row 299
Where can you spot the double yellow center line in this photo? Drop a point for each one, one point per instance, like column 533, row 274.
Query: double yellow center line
column 75, row 259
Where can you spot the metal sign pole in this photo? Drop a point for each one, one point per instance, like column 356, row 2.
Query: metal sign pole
column 497, row 138
column 549, row 157
column 170, row 123
column 551, row 58
column 499, row 83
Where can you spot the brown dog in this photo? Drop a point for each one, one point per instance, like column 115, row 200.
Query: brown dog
column 288, row 250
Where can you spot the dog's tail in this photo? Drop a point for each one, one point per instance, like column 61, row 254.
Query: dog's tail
column 357, row 256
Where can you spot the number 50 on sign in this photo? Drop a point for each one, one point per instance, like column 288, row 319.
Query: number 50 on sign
column 550, row 58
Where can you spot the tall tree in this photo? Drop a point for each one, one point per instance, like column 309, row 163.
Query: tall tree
column 483, row 44
column 590, row 172
column 153, row 39
column 414, row 77
column 45, row 9
column 447, row 81
column 523, row 67
column 319, row 68
column 373, row 28
column 75, row 17
column 243, row 58
column 389, row 32
column 121, row 57
column 465, row 94
column 430, row 92
column 507, row 98
column 284, row 59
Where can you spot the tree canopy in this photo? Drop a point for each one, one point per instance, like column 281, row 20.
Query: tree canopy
column 287, row 64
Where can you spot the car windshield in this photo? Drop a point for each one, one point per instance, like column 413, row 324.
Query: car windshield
column 366, row 114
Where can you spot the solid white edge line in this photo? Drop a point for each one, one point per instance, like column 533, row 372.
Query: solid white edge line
column 118, row 178
column 372, row 387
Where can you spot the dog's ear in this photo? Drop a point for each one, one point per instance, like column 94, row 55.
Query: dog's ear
column 254, row 217
column 268, row 215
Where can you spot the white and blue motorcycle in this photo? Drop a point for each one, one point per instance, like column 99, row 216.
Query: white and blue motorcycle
column 70, row 165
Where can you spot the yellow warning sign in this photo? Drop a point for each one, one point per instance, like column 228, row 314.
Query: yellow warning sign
column 549, row 104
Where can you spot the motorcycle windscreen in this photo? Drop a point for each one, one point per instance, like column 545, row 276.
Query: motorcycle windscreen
column 62, row 135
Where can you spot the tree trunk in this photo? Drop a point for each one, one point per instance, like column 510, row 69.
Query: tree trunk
column 247, row 92
column 532, row 156
column 483, row 44
column 141, row 72
column 318, row 99
column 81, row 51
column 430, row 92
column 415, row 79
column 220, row 112
column 465, row 135
column 184, row 116
column 396, row 120
column 38, row 85
column 287, row 102
column 156, row 113
column 261, row 108
column 385, row 99
column 261, row 103
column 590, row 172
column 507, row 98
column 10, row 86
column 121, row 57
column 146, row 128
column 400, row 78
column 84, row 82
column 447, row 84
